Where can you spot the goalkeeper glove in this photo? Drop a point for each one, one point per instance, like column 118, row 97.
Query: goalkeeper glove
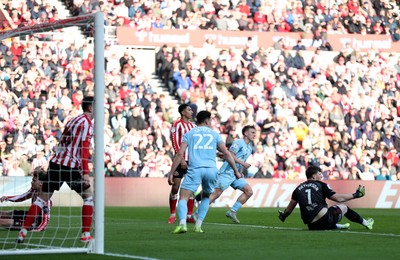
column 360, row 192
column 281, row 216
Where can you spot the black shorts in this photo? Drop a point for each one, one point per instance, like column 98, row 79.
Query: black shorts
column 179, row 173
column 18, row 216
column 58, row 174
column 328, row 221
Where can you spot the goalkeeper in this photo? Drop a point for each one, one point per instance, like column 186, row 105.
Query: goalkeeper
column 311, row 196
column 13, row 219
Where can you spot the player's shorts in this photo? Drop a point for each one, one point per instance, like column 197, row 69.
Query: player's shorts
column 224, row 180
column 206, row 177
column 328, row 221
column 58, row 174
column 179, row 173
column 18, row 216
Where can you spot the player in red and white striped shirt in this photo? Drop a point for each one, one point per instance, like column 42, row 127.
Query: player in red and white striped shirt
column 13, row 219
column 178, row 129
column 69, row 164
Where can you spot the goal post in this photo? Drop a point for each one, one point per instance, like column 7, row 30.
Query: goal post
column 97, row 244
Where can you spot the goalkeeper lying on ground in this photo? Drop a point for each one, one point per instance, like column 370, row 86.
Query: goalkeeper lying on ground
column 14, row 219
column 311, row 195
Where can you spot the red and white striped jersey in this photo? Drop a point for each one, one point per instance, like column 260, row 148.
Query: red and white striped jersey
column 73, row 148
column 178, row 129
column 45, row 215
column 31, row 193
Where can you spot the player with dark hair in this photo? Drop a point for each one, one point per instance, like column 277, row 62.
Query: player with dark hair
column 69, row 164
column 311, row 195
column 13, row 219
column 178, row 129
column 240, row 150
column 201, row 144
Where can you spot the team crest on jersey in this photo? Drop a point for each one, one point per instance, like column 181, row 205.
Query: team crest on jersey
column 172, row 129
column 236, row 145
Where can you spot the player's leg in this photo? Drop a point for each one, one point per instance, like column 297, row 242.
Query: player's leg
column 208, row 178
column 6, row 220
column 247, row 192
column 190, row 201
column 52, row 183
column 215, row 195
column 173, row 199
column 6, row 214
column 173, row 196
column 355, row 217
column 184, row 195
column 34, row 210
column 190, row 205
column 75, row 181
column 224, row 180
column 335, row 215
column 6, row 223
column 87, row 214
column 189, row 185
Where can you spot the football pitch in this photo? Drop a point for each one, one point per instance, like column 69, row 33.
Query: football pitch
column 143, row 233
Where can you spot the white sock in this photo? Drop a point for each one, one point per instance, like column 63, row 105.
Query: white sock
column 199, row 223
column 365, row 222
column 339, row 226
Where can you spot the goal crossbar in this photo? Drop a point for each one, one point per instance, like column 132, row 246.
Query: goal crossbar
column 44, row 27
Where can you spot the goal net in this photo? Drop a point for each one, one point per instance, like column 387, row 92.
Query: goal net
column 62, row 234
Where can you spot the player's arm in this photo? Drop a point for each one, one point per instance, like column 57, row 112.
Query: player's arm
column 85, row 156
column 228, row 157
column 176, row 138
column 177, row 160
column 18, row 198
column 289, row 209
column 360, row 192
column 237, row 160
column 45, row 218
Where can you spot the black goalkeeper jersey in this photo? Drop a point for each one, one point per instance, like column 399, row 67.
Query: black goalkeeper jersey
column 311, row 197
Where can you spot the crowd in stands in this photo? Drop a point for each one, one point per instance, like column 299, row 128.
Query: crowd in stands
column 320, row 17
column 341, row 114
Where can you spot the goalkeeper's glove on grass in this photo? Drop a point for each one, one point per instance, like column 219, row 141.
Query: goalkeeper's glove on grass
column 360, row 192
column 281, row 216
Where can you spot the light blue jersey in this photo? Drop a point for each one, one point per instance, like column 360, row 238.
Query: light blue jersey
column 202, row 167
column 226, row 176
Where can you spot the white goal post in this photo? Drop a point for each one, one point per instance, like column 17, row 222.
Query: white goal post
column 97, row 245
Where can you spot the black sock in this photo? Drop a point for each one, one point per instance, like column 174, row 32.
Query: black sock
column 353, row 216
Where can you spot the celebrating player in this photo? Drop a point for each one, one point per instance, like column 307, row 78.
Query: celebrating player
column 201, row 144
column 315, row 213
column 69, row 164
column 178, row 129
column 240, row 150
column 13, row 219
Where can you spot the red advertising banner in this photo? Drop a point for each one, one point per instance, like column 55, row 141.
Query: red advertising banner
column 222, row 39
column 363, row 42
column 153, row 192
column 225, row 39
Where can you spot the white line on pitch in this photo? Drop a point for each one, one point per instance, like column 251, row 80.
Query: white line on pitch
column 289, row 228
column 131, row 256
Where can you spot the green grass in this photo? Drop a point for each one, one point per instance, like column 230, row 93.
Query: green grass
column 143, row 233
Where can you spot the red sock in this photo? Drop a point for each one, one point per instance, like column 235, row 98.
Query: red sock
column 31, row 216
column 172, row 206
column 87, row 216
column 190, row 205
